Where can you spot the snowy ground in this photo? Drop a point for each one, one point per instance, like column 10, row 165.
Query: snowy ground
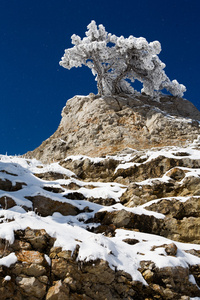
column 72, row 230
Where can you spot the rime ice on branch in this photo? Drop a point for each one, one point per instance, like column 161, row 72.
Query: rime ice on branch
column 117, row 61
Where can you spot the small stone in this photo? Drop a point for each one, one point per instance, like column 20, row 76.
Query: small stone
column 6, row 202
column 131, row 241
column 157, row 288
column 44, row 279
column 34, row 270
column 171, row 249
column 21, row 245
column 65, row 254
column 59, row 267
column 29, row 257
column 148, row 275
column 176, row 174
column 58, row 292
column 31, row 286
column 122, row 279
column 71, row 283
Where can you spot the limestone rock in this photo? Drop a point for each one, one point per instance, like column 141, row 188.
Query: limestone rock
column 27, row 256
column 114, row 123
column 58, row 292
column 128, row 185
column 7, row 202
column 30, row 286
column 38, row 238
column 46, row 206
column 171, row 249
column 126, row 219
column 7, row 185
column 86, row 168
column 72, row 279
column 182, row 221
column 60, row 267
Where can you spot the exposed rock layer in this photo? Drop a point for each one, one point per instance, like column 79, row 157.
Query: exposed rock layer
column 163, row 183
column 51, row 273
column 99, row 126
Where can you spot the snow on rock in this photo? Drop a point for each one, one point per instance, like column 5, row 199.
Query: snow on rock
column 88, row 227
column 8, row 261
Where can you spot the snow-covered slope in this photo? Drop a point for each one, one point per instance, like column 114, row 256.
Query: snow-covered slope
column 103, row 220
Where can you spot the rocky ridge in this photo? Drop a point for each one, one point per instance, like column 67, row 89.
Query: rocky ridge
column 100, row 126
column 121, row 224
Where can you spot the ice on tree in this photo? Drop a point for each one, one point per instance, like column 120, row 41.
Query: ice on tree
column 117, row 61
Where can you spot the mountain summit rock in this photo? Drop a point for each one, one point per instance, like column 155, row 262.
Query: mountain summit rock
column 98, row 126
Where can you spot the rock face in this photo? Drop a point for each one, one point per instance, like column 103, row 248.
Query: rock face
column 52, row 273
column 99, row 126
column 117, row 216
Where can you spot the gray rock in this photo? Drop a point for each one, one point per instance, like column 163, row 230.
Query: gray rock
column 98, row 126
column 30, row 286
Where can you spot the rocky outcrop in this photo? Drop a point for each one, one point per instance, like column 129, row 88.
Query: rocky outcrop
column 53, row 273
column 154, row 192
column 116, row 216
column 99, row 126
column 45, row 206
column 129, row 220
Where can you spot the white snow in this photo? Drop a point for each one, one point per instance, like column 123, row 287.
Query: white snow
column 71, row 230
column 7, row 278
column 82, row 157
column 48, row 259
column 139, row 210
column 192, row 279
column 8, row 260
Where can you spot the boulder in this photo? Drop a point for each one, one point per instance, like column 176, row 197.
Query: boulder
column 46, row 206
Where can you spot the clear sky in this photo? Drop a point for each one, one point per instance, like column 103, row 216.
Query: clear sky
column 34, row 34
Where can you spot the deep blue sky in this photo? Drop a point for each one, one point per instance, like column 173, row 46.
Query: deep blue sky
column 34, row 34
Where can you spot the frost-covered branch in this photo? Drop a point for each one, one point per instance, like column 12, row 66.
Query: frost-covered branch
column 116, row 61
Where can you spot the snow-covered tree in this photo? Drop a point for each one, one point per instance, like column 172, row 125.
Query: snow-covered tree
column 117, row 62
